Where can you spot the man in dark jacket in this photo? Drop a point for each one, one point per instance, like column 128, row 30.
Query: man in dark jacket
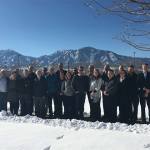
column 144, row 90
column 124, row 97
column 40, row 93
column 133, row 95
column 31, row 77
column 12, row 95
column 60, row 69
column 26, row 94
column 53, row 91
column 80, row 84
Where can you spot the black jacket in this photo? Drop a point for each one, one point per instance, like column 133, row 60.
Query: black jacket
column 111, row 87
column 32, row 77
column 25, row 86
column 80, row 83
column 133, row 84
column 40, row 87
column 123, row 90
column 143, row 82
column 12, row 95
column 104, row 76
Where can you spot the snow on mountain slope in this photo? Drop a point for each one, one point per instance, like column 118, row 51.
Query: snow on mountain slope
column 86, row 56
column 113, row 57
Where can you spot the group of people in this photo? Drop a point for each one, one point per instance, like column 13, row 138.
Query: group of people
column 36, row 92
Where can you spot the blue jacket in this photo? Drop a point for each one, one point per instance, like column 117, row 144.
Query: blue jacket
column 53, row 84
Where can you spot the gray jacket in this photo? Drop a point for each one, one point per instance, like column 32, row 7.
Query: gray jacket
column 95, row 89
column 67, row 88
column 3, row 84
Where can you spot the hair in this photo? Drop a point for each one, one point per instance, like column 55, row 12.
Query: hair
column 38, row 71
column 99, row 74
column 91, row 66
column 81, row 67
column 51, row 68
column 111, row 70
column 131, row 66
column 12, row 75
column 121, row 67
column 124, row 71
column 146, row 64
column 13, row 72
column 45, row 69
column 106, row 67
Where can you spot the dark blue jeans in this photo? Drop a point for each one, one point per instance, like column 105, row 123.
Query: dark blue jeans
column 3, row 101
column 79, row 104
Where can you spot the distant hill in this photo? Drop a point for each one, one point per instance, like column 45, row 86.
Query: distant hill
column 83, row 56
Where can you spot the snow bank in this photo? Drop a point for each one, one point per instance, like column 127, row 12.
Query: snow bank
column 33, row 133
column 76, row 124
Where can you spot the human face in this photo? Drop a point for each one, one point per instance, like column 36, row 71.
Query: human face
column 122, row 73
column 96, row 73
column 25, row 73
column 80, row 71
column 145, row 68
column 110, row 74
column 91, row 69
column 51, row 70
column 130, row 69
column 61, row 66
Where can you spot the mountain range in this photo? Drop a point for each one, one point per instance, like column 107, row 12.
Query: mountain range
column 84, row 56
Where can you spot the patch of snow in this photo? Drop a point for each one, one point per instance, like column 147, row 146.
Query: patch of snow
column 112, row 57
column 33, row 133
column 73, row 124
column 103, row 58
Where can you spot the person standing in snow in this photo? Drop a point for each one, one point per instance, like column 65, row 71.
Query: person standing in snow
column 69, row 97
column 110, row 97
column 61, row 79
column 26, row 94
column 105, row 79
column 95, row 95
column 31, row 77
column 91, row 78
column 53, row 91
column 124, row 97
column 40, row 93
column 12, row 96
column 3, row 90
column 144, row 90
column 80, row 84
column 133, row 89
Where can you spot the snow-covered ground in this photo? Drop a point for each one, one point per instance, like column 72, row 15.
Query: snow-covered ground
column 33, row 133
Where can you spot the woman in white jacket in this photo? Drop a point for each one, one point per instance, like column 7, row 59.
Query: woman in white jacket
column 95, row 93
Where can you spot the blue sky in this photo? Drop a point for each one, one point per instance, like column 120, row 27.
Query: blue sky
column 37, row 27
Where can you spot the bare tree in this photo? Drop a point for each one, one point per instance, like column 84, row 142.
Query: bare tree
column 135, row 13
